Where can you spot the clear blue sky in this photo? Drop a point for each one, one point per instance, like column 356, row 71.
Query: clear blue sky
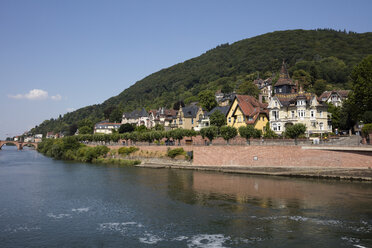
column 56, row 56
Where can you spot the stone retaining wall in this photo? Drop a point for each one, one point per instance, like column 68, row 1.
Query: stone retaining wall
column 288, row 156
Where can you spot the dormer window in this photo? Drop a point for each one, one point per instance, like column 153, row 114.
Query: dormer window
column 301, row 102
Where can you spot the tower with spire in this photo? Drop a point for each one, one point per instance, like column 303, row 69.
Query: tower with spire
column 285, row 84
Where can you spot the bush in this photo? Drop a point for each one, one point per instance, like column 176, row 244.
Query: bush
column 127, row 150
column 172, row 153
column 228, row 132
column 367, row 129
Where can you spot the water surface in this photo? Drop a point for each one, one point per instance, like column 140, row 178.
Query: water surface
column 48, row 203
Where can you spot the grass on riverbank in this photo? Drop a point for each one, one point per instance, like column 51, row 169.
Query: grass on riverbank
column 69, row 148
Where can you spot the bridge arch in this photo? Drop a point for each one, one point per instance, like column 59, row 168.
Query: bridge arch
column 19, row 144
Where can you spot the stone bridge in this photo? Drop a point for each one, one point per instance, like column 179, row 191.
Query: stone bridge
column 19, row 144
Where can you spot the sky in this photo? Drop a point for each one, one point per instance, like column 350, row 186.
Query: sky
column 58, row 56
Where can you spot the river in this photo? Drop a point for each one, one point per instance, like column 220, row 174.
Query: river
column 49, row 203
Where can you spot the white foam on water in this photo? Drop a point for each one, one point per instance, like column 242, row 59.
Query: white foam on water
column 58, row 216
column 360, row 246
column 350, row 239
column 248, row 240
column 150, row 239
column 80, row 210
column 208, row 241
column 180, row 238
column 120, row 227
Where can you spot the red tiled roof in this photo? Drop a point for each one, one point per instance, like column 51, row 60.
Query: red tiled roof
column 342, row 93
column 251, row 107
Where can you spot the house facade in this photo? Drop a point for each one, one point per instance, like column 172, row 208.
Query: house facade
column 265, row 88
column 163, row 116
column 188, row 117
column 247, row 110
column 335, row 97
column 304, row 108
column 205, row 122
column 138, row 118
column 105, row 127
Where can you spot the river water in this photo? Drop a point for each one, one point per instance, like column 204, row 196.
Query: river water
column 48, row 203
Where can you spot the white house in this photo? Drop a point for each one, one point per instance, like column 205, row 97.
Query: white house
column 336, row 97
column 106, row 127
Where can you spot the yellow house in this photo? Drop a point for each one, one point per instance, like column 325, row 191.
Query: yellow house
column 189, row 117
column 247, row 110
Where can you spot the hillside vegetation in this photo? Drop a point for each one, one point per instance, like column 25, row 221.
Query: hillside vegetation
column 319, row 59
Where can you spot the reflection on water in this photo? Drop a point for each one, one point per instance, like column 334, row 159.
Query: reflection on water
column 47, row 203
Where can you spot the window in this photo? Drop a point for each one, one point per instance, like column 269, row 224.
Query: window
column 301, row 113
column 278, row 126
column 229, row 119
column 320, row 113
column 276, row 104
column 313, row 124
column 280, row 90
column 275, row 114
column 239, row 119
column 293, row 114
column 321, row 125
column 312, row 113
column 301, row 102
column 275, row 127
column 192, row 120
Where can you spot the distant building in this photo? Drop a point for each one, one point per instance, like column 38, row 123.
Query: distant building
column 205, row 122
column 304, row 108
column 247, row 110
column 188, row 117
column 336, row 97
column 290, row 106
column 106, row 127
column 50, row 135
column 265, row 88
column 138, row 118
column 162, row 116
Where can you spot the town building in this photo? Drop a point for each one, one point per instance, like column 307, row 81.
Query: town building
column 335, row 97
column 289, row 106
column 105, row 127
column 265, row 88
column 163, row 116
column 188, row 117
column 138, row 118
column 247, row 110
column 205, row 122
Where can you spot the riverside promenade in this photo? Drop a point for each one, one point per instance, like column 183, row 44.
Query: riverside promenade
column 338, row 162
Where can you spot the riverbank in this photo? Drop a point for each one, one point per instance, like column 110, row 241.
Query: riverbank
column 340, row 163
column 353, row 174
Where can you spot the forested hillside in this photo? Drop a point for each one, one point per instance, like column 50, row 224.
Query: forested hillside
column 319, row 59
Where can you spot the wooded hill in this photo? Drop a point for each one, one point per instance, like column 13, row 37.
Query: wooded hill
column 319, row 59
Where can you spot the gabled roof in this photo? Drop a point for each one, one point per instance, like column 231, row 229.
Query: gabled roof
column 224, row 110
column 341, row 93
column 190, row 111
column 250, row 107
column 291, row 99
column 136, row 114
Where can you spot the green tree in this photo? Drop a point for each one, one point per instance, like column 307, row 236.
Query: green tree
column 295, row 131
column 248, row 88
column 126, row 128
column 228, row 132
column 362, row 87
column 209, row 132
column 159, row 127
column 303, row 77
column 367, row 117
column 141, row 128
column 227, row 88
column 116, row 115
column 320, row 86
column 335, row 115
column 85, row 130
column 207, row 99
column 217, row 118
column 248, row 132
